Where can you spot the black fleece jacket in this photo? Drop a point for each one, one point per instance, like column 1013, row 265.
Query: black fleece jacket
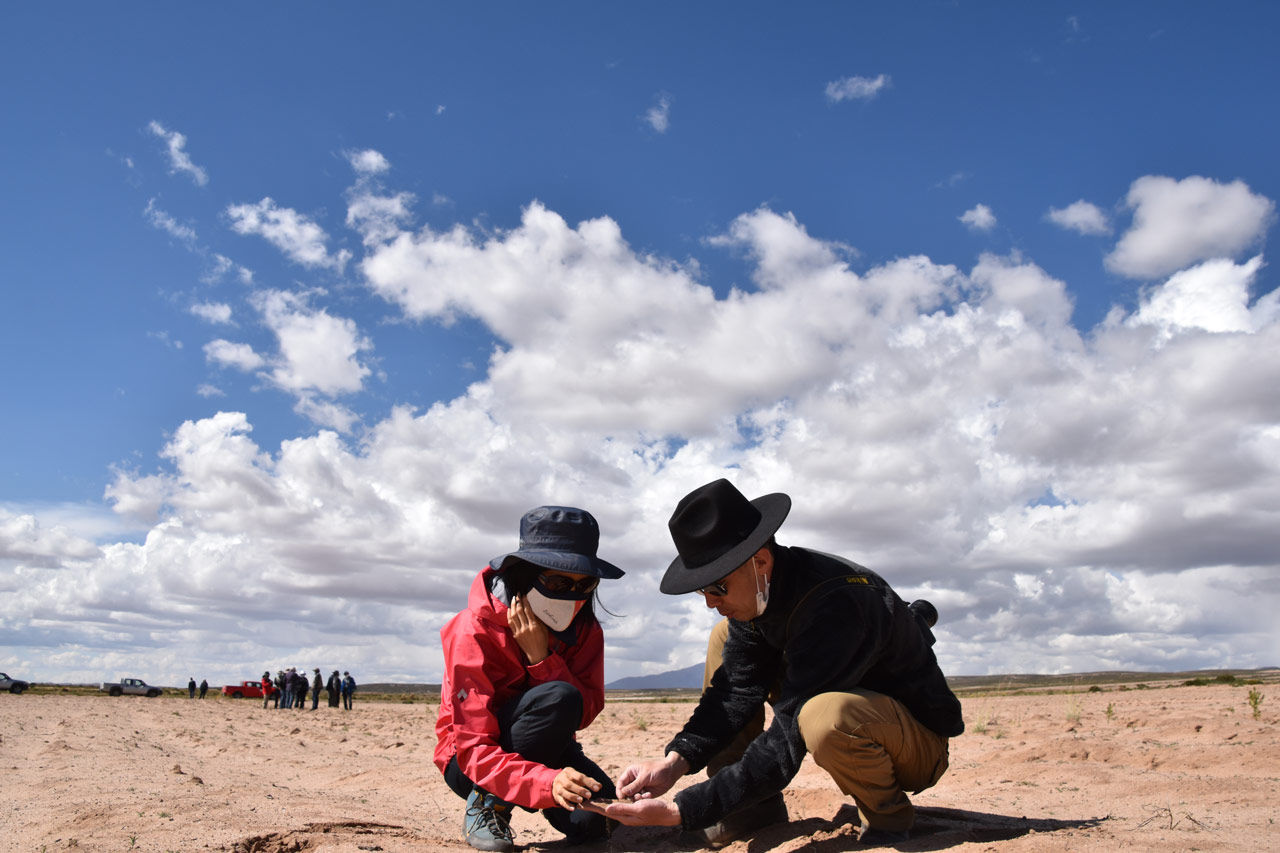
column 831, row 625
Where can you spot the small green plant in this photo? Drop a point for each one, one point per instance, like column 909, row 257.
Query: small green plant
column 133, row 841
column 641, row 723
column 1073, row 710
column 1255, row 702
column 984, row 718
column 1110, row 712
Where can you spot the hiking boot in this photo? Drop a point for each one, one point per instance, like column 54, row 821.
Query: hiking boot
column 487, row 823
column 745, row 821
column 869, row 836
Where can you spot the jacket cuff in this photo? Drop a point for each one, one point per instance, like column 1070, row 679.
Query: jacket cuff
column 550, row 668
column 694, row 814
column 688, row 752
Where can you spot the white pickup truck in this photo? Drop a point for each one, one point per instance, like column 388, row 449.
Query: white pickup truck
column 131, row 686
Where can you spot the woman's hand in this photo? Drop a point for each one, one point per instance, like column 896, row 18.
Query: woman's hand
column 571, row 787
column 530, row 633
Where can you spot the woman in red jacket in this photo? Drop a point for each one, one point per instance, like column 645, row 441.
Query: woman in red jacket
column 523, row 672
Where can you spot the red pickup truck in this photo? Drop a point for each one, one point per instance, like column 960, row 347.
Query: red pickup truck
column 246, row 690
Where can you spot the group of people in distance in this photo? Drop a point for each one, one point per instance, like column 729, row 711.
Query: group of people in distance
column 289, row 689
column 191, row 688
column 846, row 664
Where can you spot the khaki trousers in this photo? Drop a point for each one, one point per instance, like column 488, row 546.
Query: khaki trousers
column 869, row 743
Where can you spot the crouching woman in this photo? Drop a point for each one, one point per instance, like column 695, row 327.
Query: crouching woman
column 523, row 672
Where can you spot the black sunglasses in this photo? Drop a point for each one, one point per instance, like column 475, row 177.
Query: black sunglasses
column 562, row 584
column 717, row 589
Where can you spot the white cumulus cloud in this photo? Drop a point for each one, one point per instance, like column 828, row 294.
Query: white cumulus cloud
column 1071, row 500
column 1081, row 217
column 229, row 354
column 373, row 212
column 317, row 351
column 368, row 162
column 1179, row 223
column 301, row 239
column 218, row 313
column 979, row 218
column 1213, row 296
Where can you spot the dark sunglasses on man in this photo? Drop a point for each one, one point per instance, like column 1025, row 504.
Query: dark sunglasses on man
column 716, row 590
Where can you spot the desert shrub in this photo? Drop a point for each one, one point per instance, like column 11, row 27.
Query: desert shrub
column 1255, row 702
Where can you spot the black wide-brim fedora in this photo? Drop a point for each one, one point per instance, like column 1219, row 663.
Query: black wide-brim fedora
column 563, row 538
column 715, row 530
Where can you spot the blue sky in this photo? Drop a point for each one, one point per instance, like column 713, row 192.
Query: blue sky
column 304, row 305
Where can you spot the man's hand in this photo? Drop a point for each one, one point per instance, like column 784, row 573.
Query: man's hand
column 652, row 778
column 530, row 633
column 646, row 812
column 572, row 787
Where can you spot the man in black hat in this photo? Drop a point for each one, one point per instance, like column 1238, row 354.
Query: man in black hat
column 846, row 664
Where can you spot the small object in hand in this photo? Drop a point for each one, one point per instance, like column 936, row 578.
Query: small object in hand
column 596, row 804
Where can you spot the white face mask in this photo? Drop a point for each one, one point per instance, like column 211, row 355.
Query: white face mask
column 762, row 595
column 555, row 613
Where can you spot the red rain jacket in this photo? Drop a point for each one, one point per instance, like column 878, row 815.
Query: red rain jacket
column 484, row 668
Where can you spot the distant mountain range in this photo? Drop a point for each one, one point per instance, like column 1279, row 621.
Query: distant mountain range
column 690, row 676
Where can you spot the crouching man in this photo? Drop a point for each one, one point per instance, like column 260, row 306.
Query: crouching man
column 846, row 664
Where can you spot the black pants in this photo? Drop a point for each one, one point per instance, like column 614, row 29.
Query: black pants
column 538, row 725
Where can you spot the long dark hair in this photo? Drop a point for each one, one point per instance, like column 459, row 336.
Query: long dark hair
column 517, row 577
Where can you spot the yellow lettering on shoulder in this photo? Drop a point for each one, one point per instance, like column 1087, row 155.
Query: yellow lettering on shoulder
column 857, row 580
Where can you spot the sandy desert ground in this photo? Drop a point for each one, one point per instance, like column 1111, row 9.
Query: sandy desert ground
column 1182, row 768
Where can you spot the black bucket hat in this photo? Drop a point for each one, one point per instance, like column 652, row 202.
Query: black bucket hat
column 716, row 529
column 563, row 538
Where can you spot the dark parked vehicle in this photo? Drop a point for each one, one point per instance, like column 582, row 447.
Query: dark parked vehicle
column 13, row 685
column 132, row 687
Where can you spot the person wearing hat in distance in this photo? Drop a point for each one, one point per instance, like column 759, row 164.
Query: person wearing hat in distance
column 523, row 672
column 846, row 664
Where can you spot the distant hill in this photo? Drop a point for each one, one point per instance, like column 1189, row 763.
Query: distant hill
column 690, row 676
column 398, row 687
